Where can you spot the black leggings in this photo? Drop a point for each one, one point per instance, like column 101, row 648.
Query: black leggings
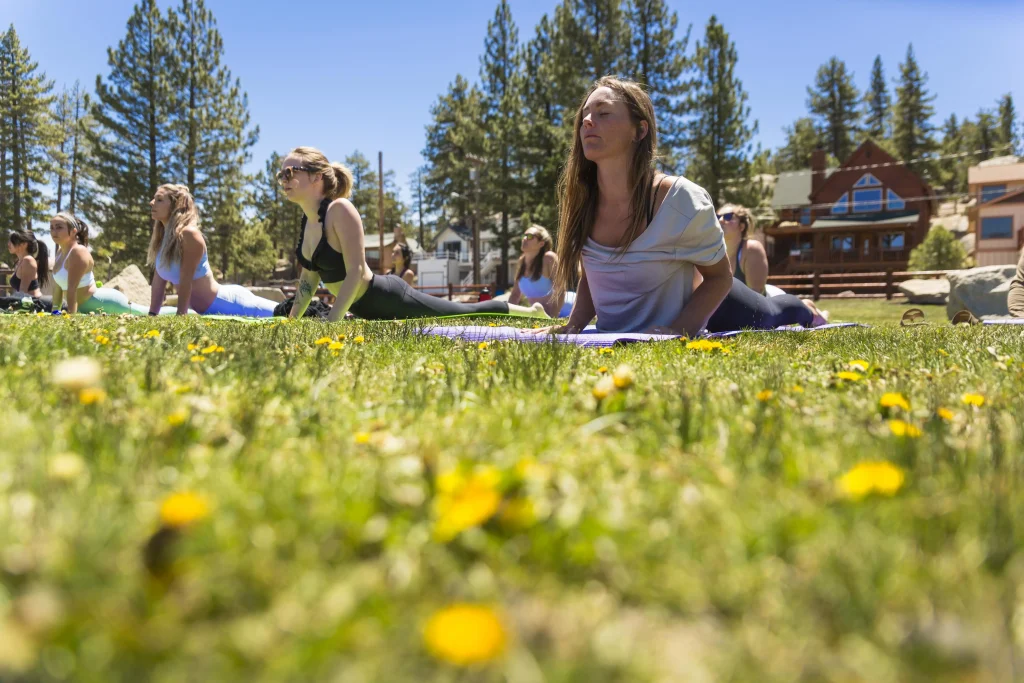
column 744, row 308
column 392, row 298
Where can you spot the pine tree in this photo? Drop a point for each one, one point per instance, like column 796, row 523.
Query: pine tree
column 833, row 101
column 501, row 80
column 416, row 188
column 212, row 133
column 1009, row 137
column 802, row 138
column 912, row 128
column 133, row 145
column 454, row 137
column 546, row 137
column 253, row 254
column 952, row 171
column 27, row 134
column 658, row 61
column 590, row 40
column 719, row 133
column 877, row 104
column 279, row 217
column 70, row 162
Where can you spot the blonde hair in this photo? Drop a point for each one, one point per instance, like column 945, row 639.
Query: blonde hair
column 183, row 215
column 337, row 177
column 577, row 186
column 538, row 263
column 743, row 215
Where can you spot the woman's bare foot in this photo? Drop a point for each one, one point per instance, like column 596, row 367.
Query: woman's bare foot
column 820, row 317
column 534, row 311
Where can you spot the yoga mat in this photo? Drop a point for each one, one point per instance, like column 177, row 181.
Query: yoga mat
column 589, row 337
column 1005, row 321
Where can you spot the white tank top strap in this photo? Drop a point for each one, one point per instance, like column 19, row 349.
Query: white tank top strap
column 60, row 276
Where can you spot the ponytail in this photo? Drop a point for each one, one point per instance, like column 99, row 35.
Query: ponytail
column 37, row 250
column 338, row 181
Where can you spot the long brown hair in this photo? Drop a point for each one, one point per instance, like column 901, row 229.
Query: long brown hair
column 577, row 186
column 73, row 222
column 337, row 177
column 538, row 262
column 183, row 214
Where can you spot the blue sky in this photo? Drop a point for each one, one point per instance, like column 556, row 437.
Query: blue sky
column 346, row 75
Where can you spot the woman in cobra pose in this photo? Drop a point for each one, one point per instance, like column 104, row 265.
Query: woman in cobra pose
column 537, row 267
column 331, row 249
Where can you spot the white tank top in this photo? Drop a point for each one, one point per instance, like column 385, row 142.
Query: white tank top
column 60, row 276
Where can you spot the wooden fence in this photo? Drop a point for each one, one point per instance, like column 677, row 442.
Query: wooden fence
column 863, row 285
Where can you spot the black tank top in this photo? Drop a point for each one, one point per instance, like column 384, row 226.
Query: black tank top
column 738, row 273
column 15, row 283
column 327, row 262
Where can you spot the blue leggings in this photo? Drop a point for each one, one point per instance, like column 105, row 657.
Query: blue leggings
column 237, row 300
column 113, row 302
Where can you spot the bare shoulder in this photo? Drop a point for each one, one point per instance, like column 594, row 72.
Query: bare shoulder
column 550, row 258
column 28, row 262
column 79, row 254
column 191, row 235
column 755, row 247
column 342, row 210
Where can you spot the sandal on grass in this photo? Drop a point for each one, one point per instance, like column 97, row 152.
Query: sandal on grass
column 913, row 317
column 965, row 317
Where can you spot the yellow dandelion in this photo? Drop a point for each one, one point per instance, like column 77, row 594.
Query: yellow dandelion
column 212, row 348
column 905, row 429
column 341, row 337
column 482, row 346
column 765, row 395
column 152, row 334
column 198, row 359
column 177, row 418
column 359, row 339
column 604, row 387
column 849, row 376
column 465, row 634
column 859, row 365
column 623, row 377
column 797, row 389
column 336, row 346
column 605, row 352
column 465, row 502
column 182, row 509
column 323, row 340
column 943, row 352
column 704, row 345
column 976, row 400
column 89, row 396
column 362, row 437
column 603, row 369
column 101, row 340
column 492, row 324
column 193, row 347
column 40, row 315
column 879, row 477
column 77, row 373
column 894, row 400
column 945, row 413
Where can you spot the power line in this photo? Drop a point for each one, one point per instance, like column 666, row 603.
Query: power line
column 848, row 202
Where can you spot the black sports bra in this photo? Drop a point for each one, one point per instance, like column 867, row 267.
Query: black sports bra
column 15, row 283
column 326, row 261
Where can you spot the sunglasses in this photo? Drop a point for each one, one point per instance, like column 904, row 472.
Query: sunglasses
column 531, row 237
column 726, row 217
column 288, row 172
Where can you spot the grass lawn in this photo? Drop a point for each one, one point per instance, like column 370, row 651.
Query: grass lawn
column 235, row 502
column 879, row 311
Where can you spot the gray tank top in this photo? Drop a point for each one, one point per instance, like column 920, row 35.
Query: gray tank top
column 648, row 284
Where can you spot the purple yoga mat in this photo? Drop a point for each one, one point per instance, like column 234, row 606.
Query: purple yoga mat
column 590, row 337
column 1005, row 321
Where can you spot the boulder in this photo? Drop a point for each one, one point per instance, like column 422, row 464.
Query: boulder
column 982, row 291
column 925, row 291
column 272, row 293
column 133, row 284
column 846, row 294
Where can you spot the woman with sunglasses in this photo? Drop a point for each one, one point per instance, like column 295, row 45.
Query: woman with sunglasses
column 178, row 251
column 537, row 267
column 641, row 236
column 401, row 262
column 331, row 249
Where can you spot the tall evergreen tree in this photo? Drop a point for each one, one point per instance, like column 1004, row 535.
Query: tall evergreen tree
column 546, row 138
column 877, row 104
column 719, row 132
column 70, row 161
column 27, row 134
column 213, row 137
column 590, row 39
column 279, row 217
column 1009, row 137
column 912, row 131
column 501, row 81
column 833, row 102
column 802, row 138
column 454, row 137
column 658, row 61
column 952, row 171
column 416, row 188
column 133, row 145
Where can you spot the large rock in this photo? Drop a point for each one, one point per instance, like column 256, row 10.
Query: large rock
column 133, row 284
column 925, row 291
column 982, row 291
column 272, row 293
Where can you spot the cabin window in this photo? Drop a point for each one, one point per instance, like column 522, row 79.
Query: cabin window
column 805, row 216
column 842, row 205
column 842, row 243
column 867, row 200
column 893, row 241
column 894, row 201
column 996, row 227
column 990, row 192
column 867, row 180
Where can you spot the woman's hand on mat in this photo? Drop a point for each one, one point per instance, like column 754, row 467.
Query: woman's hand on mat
column 555, row 329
